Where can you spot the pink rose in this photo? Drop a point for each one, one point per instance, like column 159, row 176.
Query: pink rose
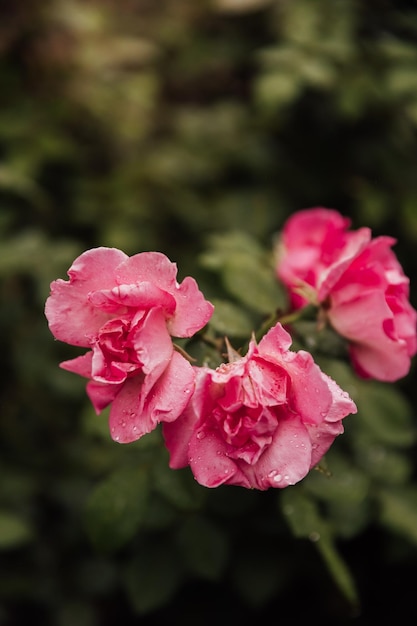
column 359, row 284
column 125, row 309
column 262, row 420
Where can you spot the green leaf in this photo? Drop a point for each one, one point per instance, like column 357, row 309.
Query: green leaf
column 381, row 462
column 348, row 521
column 154, row 574
column 253, row 284
column 221, row 246
column 178, row 487
column 14, row 531
column 338, row 569
column 301, row 513
column 230, row 320
column 117, row 507
column 386, row 414
column 398, row 511
column 343, row 483
column 303, row 517
column 257, row 575
column 203, row 546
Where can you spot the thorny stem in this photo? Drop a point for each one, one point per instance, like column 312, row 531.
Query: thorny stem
column 218, row 343
column 290, row 318
column 184, row 353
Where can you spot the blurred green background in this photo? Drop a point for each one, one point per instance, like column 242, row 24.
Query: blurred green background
column 195, row 127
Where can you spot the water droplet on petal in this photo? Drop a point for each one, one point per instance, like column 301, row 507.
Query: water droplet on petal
column 275, row 476
column 201, row 434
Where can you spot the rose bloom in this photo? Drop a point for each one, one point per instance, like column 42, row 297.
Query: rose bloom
column 360, row 285
column 125, row 310
column 262, row 420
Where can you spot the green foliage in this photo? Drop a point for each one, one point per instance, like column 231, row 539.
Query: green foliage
column 195, row 129
column 117, row 507
column 14, row 531
column 153, row 576
column 306, row 522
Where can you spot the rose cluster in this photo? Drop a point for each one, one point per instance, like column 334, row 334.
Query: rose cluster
column 359, row 285
column 259, row 420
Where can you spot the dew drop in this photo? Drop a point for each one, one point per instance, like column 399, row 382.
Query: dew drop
column 201, row 434
column 275, row 476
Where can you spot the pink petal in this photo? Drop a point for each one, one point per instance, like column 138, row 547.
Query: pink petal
column 144, row 295
column 342, row 405
column 276, row 341
column 178, row 434
column 152, row 267
column 310, row 395
column 153, row 344
column 126, row 420
column 101, row 395
column 270, row 380
column 356, row 242
column 387, row 362
column 81, row 365
column 322, row 437
column 135, row 413
column 71, row 317
column 172, row 391
column 210, row 464
column 286, row 461
column 192, row 312
column 374, row 352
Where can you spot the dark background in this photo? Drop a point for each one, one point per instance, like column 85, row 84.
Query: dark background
column 154, row 126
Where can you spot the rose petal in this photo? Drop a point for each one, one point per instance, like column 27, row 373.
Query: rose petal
column 193, row 310
column 101, row 395
column 286, row 461
column 144, row 295
column 152, row 267
column 374, row 353
column 209, row 463
column 173, row 390
column 71, row 317
column 135, row 411
column 81, row 365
